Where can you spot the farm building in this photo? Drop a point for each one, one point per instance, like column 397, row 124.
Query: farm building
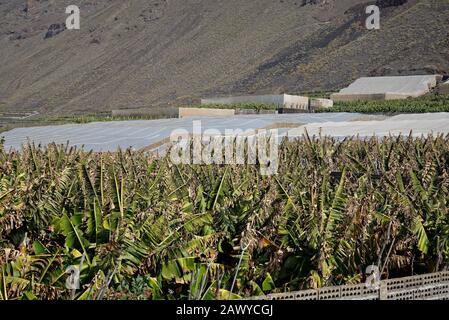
column 387, row 88
column 281, row 101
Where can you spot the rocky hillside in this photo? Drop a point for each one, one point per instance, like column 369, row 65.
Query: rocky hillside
column 138, row 53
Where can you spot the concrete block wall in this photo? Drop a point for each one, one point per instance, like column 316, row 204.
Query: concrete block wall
column 431, row 286
column 296, row 102
column 316, row 103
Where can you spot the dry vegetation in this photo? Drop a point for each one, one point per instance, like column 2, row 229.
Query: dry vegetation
column 162, row 231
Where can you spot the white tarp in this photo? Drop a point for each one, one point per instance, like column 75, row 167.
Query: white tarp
column 412, row 86
column 108, row 136
column 417, row 124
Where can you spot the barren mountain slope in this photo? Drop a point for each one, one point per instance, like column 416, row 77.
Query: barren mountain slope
column 133, row 53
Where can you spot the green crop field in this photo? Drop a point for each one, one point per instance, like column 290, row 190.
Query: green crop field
column 145, row 228
column 429, row 103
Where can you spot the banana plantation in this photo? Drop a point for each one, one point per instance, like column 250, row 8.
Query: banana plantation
column 140, row 227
